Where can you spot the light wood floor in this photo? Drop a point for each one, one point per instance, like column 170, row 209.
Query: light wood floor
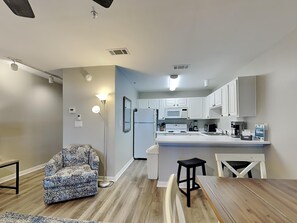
column 133, row 198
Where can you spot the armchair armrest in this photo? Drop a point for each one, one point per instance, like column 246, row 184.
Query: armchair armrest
column 55, row 164
column 94, row 160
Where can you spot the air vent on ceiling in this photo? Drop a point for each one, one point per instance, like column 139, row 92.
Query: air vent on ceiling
column 181, row 66
column 118, row 51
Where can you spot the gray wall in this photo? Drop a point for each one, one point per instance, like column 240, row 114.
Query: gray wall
column 30, row 118
column 80, row 94
column 123, row 141
column 277, row 104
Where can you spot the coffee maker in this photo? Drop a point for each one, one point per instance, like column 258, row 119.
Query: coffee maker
column 237, row 128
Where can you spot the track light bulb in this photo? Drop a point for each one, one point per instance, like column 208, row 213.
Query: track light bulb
column 89, row 77
column 14, row 66
column 51, row 79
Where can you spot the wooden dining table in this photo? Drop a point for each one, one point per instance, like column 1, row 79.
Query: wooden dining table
column 251, row 200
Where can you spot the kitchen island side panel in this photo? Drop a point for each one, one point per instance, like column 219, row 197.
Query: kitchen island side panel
column 169, row 154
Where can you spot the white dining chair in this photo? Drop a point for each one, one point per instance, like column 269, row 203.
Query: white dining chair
column 173, row 204
column 254, row 159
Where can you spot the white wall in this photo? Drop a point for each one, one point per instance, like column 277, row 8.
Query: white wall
column 277, row 104
column 30, row 118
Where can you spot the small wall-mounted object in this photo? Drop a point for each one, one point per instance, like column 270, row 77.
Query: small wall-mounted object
column 78, row 124
column 72, row 110
column 79, row 117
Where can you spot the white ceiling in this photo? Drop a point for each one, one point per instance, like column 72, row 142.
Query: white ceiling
column 216, row 37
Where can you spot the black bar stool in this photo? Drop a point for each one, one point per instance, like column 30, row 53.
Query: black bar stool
column 239, row 165
column 188, row 164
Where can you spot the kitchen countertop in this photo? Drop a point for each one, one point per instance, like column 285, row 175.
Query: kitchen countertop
column 179, row 133
column 201, row 139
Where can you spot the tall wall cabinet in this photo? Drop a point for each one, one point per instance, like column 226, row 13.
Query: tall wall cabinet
column 239, row 97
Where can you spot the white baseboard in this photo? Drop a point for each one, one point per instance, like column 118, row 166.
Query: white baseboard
column 22, row 173
column 164, row 184
column 119, row 174
column 35, row 168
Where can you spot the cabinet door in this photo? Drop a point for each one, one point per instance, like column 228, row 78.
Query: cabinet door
column 170, row 102
column 142, row 103
column 225, row 100
column 153, row 103
column 233, row 111
column 195, row 110
column 211, row 100
column 161, row 111
column 181, row 102
column 206, row 106
column 218, row 97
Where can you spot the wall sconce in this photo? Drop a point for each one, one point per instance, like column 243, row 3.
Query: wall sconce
column 173, row 81
column 205, row 83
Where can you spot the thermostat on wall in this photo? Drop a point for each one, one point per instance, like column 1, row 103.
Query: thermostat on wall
column 72, row 110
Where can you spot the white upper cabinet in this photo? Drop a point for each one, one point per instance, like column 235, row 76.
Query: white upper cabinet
column 232, row 98
column 239, row 97
column 215, row 98
column 195, row 108
column 218, row 97
column 176, row 102
column 161, row 111
column 148, row 103
column 225, row 100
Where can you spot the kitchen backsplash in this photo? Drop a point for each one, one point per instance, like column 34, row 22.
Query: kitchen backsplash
column 201, row 123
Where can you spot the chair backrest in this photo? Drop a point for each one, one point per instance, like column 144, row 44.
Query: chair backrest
column 76, row 155
column 254, row 159
column 172, row 202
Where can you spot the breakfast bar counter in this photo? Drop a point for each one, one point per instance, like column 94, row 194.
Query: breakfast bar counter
column 180, row 147
column 201, row 139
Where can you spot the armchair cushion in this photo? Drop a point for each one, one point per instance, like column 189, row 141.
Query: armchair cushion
column 69, row 176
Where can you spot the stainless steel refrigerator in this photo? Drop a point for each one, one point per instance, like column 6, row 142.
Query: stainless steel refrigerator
column 144, row 131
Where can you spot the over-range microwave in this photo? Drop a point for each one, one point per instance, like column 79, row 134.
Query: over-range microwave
column 176, row 113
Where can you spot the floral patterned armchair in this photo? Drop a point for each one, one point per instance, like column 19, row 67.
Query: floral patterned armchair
column 70, row 174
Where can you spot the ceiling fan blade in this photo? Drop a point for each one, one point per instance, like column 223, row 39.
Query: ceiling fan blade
column 20, row 8
column 104, row 3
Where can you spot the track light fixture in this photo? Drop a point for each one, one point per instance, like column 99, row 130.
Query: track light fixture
column 15, row 67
